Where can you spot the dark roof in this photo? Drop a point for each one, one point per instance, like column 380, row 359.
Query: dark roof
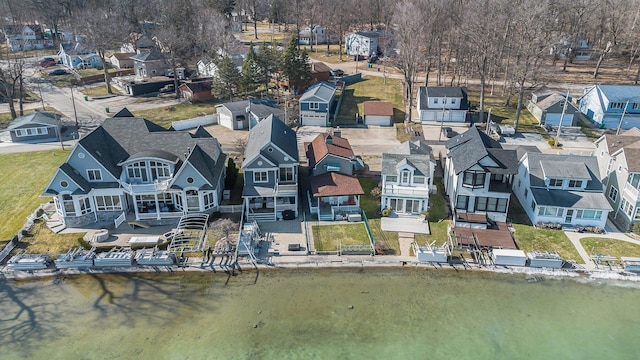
column 123, row 113
column 322, row 91
column 468, row 148
column 319, row 67
column 381, row 108
column 426, row 92
column 36, row 117
column 201, row 132
column 335, row 184
column 539, row 163
column 325, row 144
column 155, row 153
column 202, row 86
column 570, row 199
column 270, row 131
column 369, row 33
column 417, row 153
column 630, row 142
column 151, row 55
column 243, row 104
column 121, row 139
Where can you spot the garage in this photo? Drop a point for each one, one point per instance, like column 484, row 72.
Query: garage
column 378, row 113
column 313, row 119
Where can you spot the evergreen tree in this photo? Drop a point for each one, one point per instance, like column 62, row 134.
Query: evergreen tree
column 295, row 65
column 269, row 61
column 251, row 76
column 227, row 77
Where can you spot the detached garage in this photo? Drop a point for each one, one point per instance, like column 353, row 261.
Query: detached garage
column 378, row 113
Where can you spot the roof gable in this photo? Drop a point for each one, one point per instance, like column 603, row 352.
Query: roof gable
column 272, row 131
column 322, row 91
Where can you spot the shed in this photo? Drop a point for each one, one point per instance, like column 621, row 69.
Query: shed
column 378, row 113
column 508, row 257
column 320, row 71
column 196, row 91
column 39, row 126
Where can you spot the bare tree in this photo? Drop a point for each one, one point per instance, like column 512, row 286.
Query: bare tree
column 11, row 84
column 408, row 21
column 615, row 16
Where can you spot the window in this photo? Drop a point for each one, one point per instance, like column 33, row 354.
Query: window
column 519, row 182
column 85, row 205
column 481, row 203
column 333, row 167
column 94, row 175
column 193, row 204
column 473, row 179
column 137, row 171
column 613, row 194
column 64, row 184
column 462, row 202
column 190, row 180
column 626, row 207
column 404, row 177
column 435, row 100
column 526, row 193
column 393, row 178
column 634, row 180
column 635, row 106
column 555, row 182
column 615, row 105
column 159, row 171
column 575, row 184
column 208, row 200
column 418, row 179
column 31, row 131
column 108, row 203
column 637, row 213
column 589, row 214
column 314, row 106
column 550, row 211
column 533, row 205
column 601, row 153
column 260, row 177
column 286, row 174
column 67, row 203
column 453, row 101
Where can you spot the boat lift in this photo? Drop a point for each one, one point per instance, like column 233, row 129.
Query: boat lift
column 27, row 262
column 76, row 258
column 191, row 234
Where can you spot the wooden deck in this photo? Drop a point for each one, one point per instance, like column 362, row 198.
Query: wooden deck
column 486, row 238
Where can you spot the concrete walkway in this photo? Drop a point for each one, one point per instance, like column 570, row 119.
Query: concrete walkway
column 405, row 240
column 575, row 237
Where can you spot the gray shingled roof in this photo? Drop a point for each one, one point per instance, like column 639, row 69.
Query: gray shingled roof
column 271, row 130
column 589, row 165
column 322, row 91
column 570, row 199
column 468, row 148
column 564, row 169
column 150, row 55
column 416, row 153
column 118, row 139
column 36, row 117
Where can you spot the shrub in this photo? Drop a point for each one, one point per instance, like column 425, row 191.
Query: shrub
column 386, row 212
column 39, row 212
column 376, row 192
column 636, row 228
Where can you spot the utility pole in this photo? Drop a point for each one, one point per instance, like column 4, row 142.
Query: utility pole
column 442, row 120
column 622, row 118
column 488, row 129
column 564, row 109
column 59, row 126
column 73, row 100
column 40, row 92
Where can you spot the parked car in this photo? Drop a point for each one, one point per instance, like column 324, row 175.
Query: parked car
column 58, row 72
column 47, row 61
column 337, row 73
column 372, row 59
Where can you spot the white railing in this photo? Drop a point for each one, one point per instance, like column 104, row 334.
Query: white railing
column 402, row 190
column 230, row 208
column 632, row 191
column 286, row 189
column 157, row 186
column 119, row 220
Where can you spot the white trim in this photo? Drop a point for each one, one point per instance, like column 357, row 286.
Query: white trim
column 177, row 175
column 266, row 180
column 96, row 171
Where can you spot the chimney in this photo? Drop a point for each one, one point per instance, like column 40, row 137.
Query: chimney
column 337, row 132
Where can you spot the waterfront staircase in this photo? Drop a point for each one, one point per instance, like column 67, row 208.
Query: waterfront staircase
column 54, row 223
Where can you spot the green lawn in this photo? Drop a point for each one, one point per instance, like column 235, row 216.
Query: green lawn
column 437, row 209
column 371, row 88
column 529, row 238
column 164, row 116
column 5, row 118
column 611, row 247
column 23, row 178
column 386, row 240
column 367, row 203
column 327, row 237
column 438, row 234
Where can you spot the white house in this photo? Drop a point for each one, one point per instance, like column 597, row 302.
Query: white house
column 619, row 165
column 245, row 114
column 606, row 105
column 478, row 174
column 362, row 43
column 407, row 178
column 314, row 34
column 564, row 189
column 25, row 37
column 442, row 103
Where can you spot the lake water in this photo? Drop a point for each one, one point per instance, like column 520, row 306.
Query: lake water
column 319, row 314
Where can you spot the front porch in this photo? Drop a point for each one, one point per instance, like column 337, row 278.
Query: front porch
column 330, row 208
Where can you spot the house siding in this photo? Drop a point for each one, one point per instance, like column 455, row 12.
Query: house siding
column 51, row 135
column 346, row 167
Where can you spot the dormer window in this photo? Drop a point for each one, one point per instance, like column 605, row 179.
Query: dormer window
column 555, row 182
column 404, row 177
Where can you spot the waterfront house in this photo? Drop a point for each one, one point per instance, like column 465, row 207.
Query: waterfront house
column 478, row 174
column 407, row 178
column 442, row 103
column 563, row 189
column 612, row 106
column 316, row 104
column 335, row 191
column 39, row 126
column 133, row 166
column 270, row 168
column 619, row 165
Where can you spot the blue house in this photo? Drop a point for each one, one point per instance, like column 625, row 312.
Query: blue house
column 316, row 103
column 68, row 55
column 270, row 170
column 606, row 104
column 130, row 165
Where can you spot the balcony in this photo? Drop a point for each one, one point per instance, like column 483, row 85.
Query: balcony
column 155, row 187
column 631, row 192
column 394, row 190
column 286, row 189
column 499, row 186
